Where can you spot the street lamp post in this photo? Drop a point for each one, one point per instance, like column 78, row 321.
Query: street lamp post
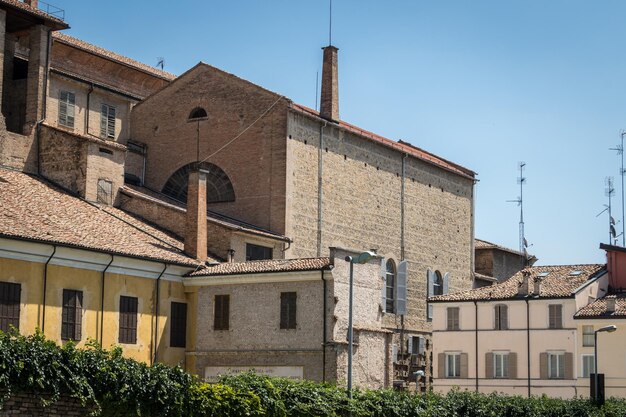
column 361, row 259
column 609, row 329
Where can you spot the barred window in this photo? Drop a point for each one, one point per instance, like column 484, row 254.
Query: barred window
column 72, row 313
column 107, row 121
column 9, row 305
column 67, row 102
column 128, row 319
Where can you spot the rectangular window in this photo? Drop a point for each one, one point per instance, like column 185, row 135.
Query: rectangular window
column 588, row 336
column 288, row 310
column 67, row 102
column 107, row 122
column 555, row 319
column 257, row 253
column 453, row 318
column 72, row 315
column 128, row 319
column 500, row 365
column 178, row 325
column 501, row 317
column 222, row 311
column 9, row 305
column 556, row 365
column 105, row 192
column 588, row 366
column 453, row 365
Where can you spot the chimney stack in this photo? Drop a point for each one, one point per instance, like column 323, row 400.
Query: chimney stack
column 196, row 230
column 522, row 288
column 610, row 305
column 537, row 286
column 32, row 3
column 329, row 100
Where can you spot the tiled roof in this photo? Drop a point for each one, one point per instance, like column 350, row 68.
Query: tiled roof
column 485, row 277
column 556, row 281
column 483, row 244
column 228, row 222
column 401, row 145
column 598, row 308
column 58, row 23
column 92, row 139
column 96, row 50
column 33, row 209
column 266, row 266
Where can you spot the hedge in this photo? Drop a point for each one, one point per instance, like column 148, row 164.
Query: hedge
column 108, row 384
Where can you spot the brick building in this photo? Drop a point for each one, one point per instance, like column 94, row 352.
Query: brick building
column 281, row 180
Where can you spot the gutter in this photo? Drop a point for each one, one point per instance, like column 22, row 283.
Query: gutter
column 88, row 109
column 324, row 323
column 104, row 271
column 45, row 285
column 476, row 347
column 320, row 195
column 528, row 343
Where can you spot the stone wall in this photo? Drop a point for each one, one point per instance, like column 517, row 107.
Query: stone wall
column 28, row 405
column 18, row 152
column 63, row 159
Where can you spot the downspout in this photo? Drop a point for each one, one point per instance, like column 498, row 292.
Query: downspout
column 104, row 271
column 87, row 110
column 45, row 285
column 44, row 101
column 156, row 316
column 476, row 341
column 402, row 219
column 320, row 173
column 324, row 340
column 528, row 343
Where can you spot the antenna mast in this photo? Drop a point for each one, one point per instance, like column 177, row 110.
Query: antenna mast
column 330, row 23
column 523, row 244
column 160, row 62
column 610, row 191
column 620, row 151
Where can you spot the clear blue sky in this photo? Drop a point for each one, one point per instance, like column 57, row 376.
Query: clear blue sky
column 485, row 84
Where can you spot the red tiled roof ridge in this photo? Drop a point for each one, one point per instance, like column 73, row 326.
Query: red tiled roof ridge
column 105, row 53
column 401, row 145
column 263, row 266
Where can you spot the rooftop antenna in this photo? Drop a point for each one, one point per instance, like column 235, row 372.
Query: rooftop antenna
column 609, row 191
column 523, row 243
column 620, row 151
column 160, row 62
column 330, row 23
column 317, row 83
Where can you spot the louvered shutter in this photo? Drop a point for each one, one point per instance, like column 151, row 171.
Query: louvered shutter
column 78, row 316
column 394, row 353
column 464, row 365
column 111, row 123
column 63, row 108
column 445, row 283
column 421, row 345
column 401, row 287
column 383, row 291
column 489, row 365
column 543, row 365
column 513, row 365
column 441, row 365
column 496, row 312
column 409, row 345
column 103, row 120
column 504, row 317
column 569, row 366
column 431, row 290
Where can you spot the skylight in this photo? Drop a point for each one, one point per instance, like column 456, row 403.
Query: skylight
column 575, row 273
column 543, row 274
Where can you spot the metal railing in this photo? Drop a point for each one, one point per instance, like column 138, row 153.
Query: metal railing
column 51, row 10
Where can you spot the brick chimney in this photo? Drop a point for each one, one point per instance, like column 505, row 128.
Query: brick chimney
column 522, row 288
column 32, row 3
column 537, row 286
column 329, row 101
column 195, row 231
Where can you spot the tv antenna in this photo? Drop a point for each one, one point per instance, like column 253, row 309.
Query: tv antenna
column 523, row 243
column 160, row 62
column 330, row 23
column 609, row 191
column 620, row 151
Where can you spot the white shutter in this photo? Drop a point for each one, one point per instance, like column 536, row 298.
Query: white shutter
column 445, row 283
column 431, row 282
column 401, row 288
column 421, row 345
column 409, row 344
column 383, row 292
column 394, row 354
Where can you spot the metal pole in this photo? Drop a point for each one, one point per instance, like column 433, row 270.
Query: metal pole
column 595, row 365
column 622, row 175
column 350, row 329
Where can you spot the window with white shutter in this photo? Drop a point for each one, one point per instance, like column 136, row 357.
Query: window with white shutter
column 107, row 122
column 67, row 101
column 555, row 316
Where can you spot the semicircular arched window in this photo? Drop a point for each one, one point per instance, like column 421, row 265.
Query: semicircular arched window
column 219, row 188
column 197, row 113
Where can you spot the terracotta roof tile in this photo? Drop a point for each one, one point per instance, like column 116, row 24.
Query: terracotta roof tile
column 556, row 281
column 266, row 266
column 33, row 209
column 96, row 50
column 599, row 309
column 401, row 145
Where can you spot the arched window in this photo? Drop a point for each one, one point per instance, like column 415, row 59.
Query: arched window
column 219, row 187
column 438, row 284
column 501, row 313
column 390, row 279
column 197, row 113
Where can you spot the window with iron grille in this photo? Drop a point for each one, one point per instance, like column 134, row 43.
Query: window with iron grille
column 128, row 319
column 588, row 336
column 453, row 318
column 501, row 312
column 257, row 252
column 105, row 192
column 107, row 122
column 288, row 310
column 221, row 313
column 72, row 315
column 9, row 305
column 555, row 316
column 67, row 102
column 178, row 325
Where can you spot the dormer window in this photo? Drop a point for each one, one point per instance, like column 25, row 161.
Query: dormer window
column 197, row 114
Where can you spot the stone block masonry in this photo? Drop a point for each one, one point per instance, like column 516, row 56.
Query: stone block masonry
column 28, row 405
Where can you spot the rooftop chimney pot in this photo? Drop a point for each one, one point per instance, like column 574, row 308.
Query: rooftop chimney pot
column 610, row 305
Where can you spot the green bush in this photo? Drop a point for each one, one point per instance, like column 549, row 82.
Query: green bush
column 110, row 385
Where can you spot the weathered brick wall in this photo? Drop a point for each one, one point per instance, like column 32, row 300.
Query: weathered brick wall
column 18, row 151
column 28, row 405
column 103, row 163
column 255, row 162
column 63, row 159
column 484, row 262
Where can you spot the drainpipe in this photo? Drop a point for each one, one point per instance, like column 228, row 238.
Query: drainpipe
column 45, row 285
column 320, row 173
column 88, row 107
column 156, row 314
column 402, row 207
column 476, row 337
column 324, row 340
column 104, row 271
column 528, row 343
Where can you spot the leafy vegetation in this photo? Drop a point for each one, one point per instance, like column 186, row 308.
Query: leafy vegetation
column 110, row 385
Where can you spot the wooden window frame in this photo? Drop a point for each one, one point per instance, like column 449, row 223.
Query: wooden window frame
column 288, row 310
column 221, row 312
column 128, row 320
column 178, row 324
column 72, row 315
column 10, row 299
